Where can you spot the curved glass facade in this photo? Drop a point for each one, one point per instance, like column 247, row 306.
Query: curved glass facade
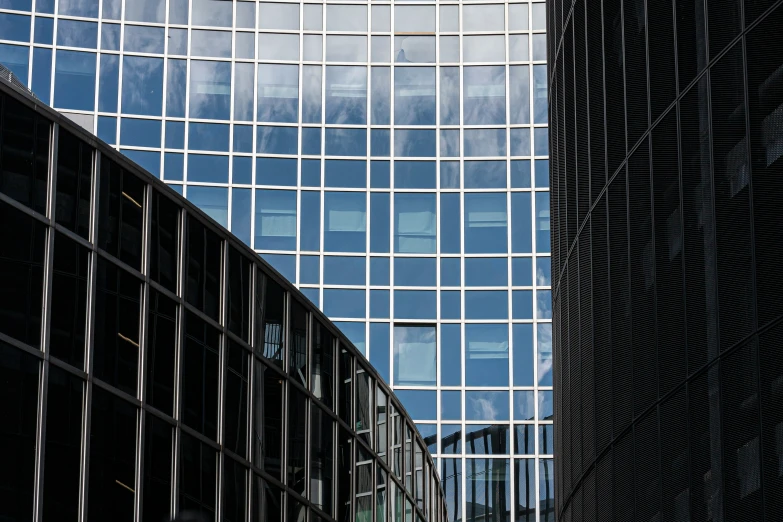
column 152, row 366
column 389, row 158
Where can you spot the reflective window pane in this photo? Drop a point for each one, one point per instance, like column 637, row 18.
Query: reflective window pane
column 414, row 355
column 414, row 223
column 346, row 95
column 74, row 80
column 278, row 16
column 486, row 354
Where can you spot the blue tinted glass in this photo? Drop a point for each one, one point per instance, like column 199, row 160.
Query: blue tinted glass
column 177, row 188
column 451, row 443
column 344, row 270
column 276, row 171
column 451, row 405
column 449, row 95
column 310, row 222
column 483, row 439
column 345, row 173
column 379, row 304
column 41, row 6
column 522, row 304
column 485, row 142
column 415, row 271
column 523, row 354
column 545, row 405
column 543, row 271
column 107, row 129
column 241, row 214
column 148, row 160
column 379, row 348
column 450, row 305
column 212, row 200
column 491, row 271
column 277, row 140
column 78, row 8
column 142, row 86
column 520, row 174
column 379, row 271
column 345, row 221
column 275, row 219
column 311, row 173
column 520, row 142
column 176, row 85
column 519, row 93
column 311, row 141
column 414, row 96
column 108, row 83
column 144, row 39
column 379, row 222
column 76, row 34
column 379, row 174
column 450, row 355
column 542, row 173
column 212, row 12
column 175, row 135
column 415, row 304
column 543, row 304
column 525, row 444
column 284, row 264
column 486, row 355
column 524, row 405
column 414, row 143
column 485, row 95
column 17, row 27
column 243, row 138
column 344, row 303
column 354, row 332
column 450, row 271
column 414, row 174
column 449, row 174
column 178, row 41
column 414, row 223
column 381, row 96
column 520, row 217
column 110, row 37
column 449, row 145
column 542, row 222
column 210, row 169
column 210, row 90
column 346, row 95
column 210, row 43
column 485, row 223
column 546, row 439
column 544, row 352
column 44, row 30
column 486, row 304
column 140, row 133
column 449, row 224
column 146, row 11
column 420, row 404
column 208, row 136
column 74, row 79
column 15, row 58
column 42, row 74
column 243, row 170
column 540, row 103
column 278, row 93
column 311, row 94
column 173, row 166
column 485, row 174
column 522, row 271
column 414, row 349
column 541, row 141
column 309, row 270
column 244, row 83
column 486, row 405
column 380, row 142
column 346, row 142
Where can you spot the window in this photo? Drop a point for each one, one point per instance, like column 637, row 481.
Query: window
column 235, row 411
column 276, row 219
column 414, row 349
column 525, row 475
column 74, row 80
column 485, row 223
column 414, row 95
column 198, row 472
column 486, row 406
column 321, row 380
column 200, row 376
column 321, row 461
column 164, row 241
column 203, row 268
column 74, row 183
column 484, row 95
column 488, row 488
column 486, row 355
column 213, row 201
column 414, row 223
column 69, row 301
column 278, row 93
column 268, row 422
column 346, row 95
column 161, row 342
column 345, row 221
column 156, row 482
column 297, row 342
column 121, row 214
column 142, row 86
column 210, row 89
column 270, row 342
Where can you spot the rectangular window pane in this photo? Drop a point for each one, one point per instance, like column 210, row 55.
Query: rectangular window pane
column 275, row 219
column 200, row 376
column 414, row 223
column 488, row 489
column 486, row 354
column 414, row 355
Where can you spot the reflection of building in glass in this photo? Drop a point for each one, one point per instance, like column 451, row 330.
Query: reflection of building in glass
column 151, row 365
column 389, row 158
column 667, row 126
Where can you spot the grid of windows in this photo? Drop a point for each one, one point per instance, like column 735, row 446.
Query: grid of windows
column 151, row 365
column 390, row 158
column 666, row 187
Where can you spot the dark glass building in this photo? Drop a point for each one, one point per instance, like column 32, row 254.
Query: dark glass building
column 152, row 365
column 667, row 181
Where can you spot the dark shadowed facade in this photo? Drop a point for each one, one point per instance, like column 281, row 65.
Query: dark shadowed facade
column 667, row 182
column 152, row 365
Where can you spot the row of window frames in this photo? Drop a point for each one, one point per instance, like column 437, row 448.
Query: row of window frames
column 408, row 18
column 493, row 439
column 451, row 402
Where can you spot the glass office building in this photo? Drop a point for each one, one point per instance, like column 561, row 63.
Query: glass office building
column 390, row 159
column 151, row 365
column 667, row 162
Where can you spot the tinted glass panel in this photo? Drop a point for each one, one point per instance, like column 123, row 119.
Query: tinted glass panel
column 161, row 342
column 121, row 214
column 414, row 355
column 297, row 352
column 270, row 340
column 69, row 301
column 74, row 183
column 203, row 268
column 164, row 240
column 268, row 420
column 238, row 298
column 295, row 440
column 198, row 472
column 200, row 376
column 237, row 380
column 157, row 468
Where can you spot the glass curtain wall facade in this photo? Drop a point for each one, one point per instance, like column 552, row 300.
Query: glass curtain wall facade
column 152, row 365
column 390, row 159
column 666, row 186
